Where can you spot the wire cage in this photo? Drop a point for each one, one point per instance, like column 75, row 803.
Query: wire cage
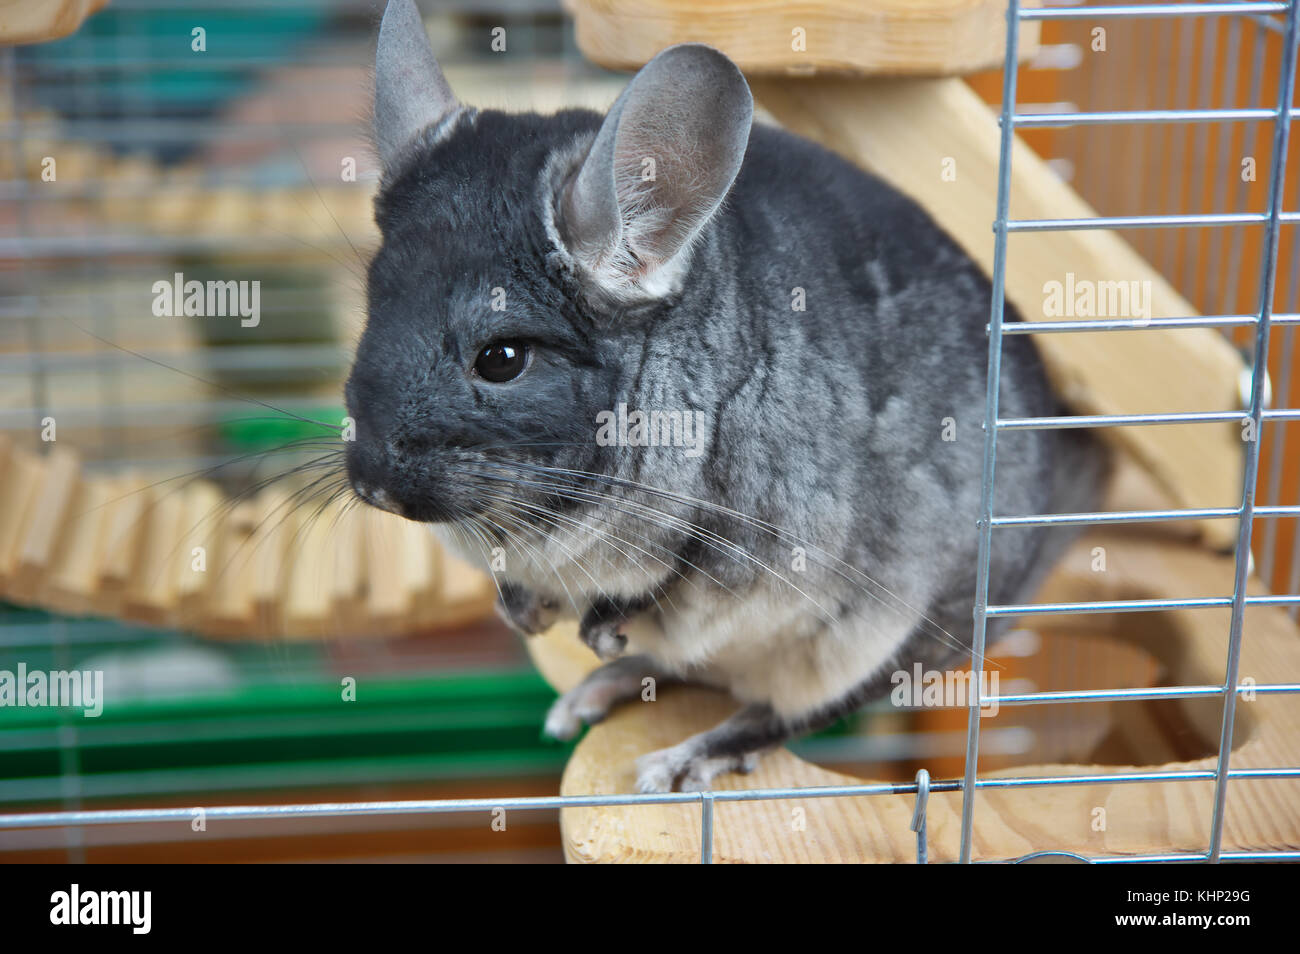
column 249, row 157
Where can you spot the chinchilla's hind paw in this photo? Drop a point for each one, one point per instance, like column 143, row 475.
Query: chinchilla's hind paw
column 686, row 768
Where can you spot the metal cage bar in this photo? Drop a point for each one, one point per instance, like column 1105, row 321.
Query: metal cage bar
column 1142, row 324
column 1101, row 118
column 1152, row 10
column 997, row 310
column 1267, row 282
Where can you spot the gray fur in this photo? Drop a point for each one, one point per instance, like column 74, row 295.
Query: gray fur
column 410, row 91
column 826, row 536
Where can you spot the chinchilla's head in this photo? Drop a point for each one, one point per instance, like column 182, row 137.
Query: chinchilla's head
column 526, row 282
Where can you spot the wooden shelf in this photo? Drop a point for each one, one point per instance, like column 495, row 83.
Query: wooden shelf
column 1141, row 819
column 853, row 37
column 38, row 21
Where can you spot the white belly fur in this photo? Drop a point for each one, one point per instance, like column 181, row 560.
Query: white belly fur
column 765, row 645
column 770, row 646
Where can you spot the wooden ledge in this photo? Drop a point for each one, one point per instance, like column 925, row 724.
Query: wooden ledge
column 858, row 37
column 38, row 21
column 1145, row 818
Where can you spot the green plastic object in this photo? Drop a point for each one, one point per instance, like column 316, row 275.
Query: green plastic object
column 253, row 433
column 282, row 723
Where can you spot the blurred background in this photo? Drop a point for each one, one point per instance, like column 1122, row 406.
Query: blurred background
column 249, row 159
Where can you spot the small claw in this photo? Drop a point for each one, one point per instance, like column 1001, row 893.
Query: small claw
column 610, row 646
column 525, row 612
column 605, row 640
column 655, row 773
column 672, row 768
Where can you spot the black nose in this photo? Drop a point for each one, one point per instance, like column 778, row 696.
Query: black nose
column 388, row 478
column 370, row 476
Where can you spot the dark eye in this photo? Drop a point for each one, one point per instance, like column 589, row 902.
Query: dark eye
column 501, row 361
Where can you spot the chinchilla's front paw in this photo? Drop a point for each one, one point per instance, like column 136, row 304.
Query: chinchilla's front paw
column 603, row 637
column 525, row 611
column 602, row 626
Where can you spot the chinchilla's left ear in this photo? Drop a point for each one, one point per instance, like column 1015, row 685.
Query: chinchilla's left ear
column 664, row 158
column 410, row 90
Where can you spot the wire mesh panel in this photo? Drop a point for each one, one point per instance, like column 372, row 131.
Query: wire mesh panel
column 1271, row 219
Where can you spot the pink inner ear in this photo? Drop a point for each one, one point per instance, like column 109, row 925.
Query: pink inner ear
column 689, row 109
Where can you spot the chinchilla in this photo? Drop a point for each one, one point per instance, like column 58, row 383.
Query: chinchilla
column 699, row 383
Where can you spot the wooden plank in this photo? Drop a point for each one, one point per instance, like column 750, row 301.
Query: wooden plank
column 864, row 37
column 348, row 581
column 277, row 523
column 419, row 564
column 74, row 578
column 200, row 526
column 51, row 510
column 38, row 21
column 387, row 598
column 121, row 542
column 228, row 610
column 22, row 474
column 908, row 132
column 307, row 607
column 465, row 593
column 151, row 594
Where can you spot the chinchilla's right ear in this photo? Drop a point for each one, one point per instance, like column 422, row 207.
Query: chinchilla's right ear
column 411, row 93
column 662, row 163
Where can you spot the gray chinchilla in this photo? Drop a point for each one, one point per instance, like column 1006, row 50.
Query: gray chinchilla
column 703, row 385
